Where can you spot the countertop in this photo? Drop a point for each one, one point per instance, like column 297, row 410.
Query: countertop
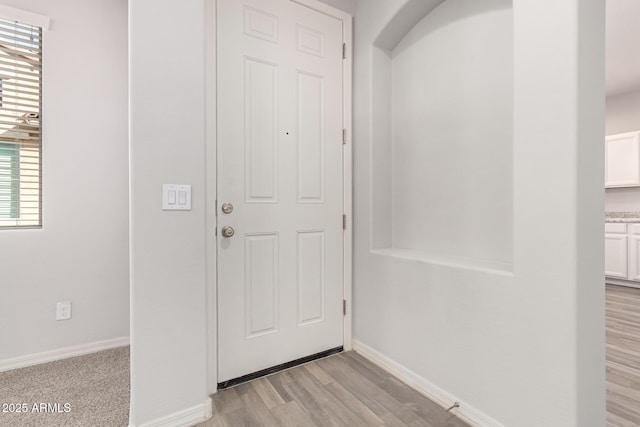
column 622, row 217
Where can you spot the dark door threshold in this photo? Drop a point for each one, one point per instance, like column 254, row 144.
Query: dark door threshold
column 278, row 368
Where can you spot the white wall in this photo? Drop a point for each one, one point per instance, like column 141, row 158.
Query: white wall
column 81, row 252
column 452, row 133
column 527, row 348
column 348, row 6
column 168, row 249
column 623, row 115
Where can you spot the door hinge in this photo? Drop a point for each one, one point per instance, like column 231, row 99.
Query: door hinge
column 216, row 232
column 344, row 136
column 216, row 207
column 344, row 307
column 344, row 51
column 344, row 222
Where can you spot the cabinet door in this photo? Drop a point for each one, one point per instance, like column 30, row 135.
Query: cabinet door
column 634, row 253
column 615, row 255
column 622, row 160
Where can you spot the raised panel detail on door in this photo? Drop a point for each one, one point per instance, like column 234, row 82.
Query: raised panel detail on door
column 622, row 160
column 261, row 131
column 615, row 251
column 311, row 277
column 310, row 149
column 260, row 24
column 634, row 257
column 310, row 41
column 261, row 284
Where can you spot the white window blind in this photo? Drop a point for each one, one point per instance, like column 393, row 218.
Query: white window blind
column 20, row 119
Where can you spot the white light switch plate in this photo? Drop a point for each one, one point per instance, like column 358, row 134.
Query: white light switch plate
column 176, row 197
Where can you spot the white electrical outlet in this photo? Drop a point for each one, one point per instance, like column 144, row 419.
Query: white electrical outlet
column 63, row 310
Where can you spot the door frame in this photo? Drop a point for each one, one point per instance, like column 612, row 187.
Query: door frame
column 211, row 184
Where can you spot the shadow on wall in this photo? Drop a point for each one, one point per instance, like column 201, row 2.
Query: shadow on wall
column 442, row 141
column 403, row 22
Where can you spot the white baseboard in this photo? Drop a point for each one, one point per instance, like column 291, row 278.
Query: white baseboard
column 185, row 418
column 466, row 412
column 61, row 353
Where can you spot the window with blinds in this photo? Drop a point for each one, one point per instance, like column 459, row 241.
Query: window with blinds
column 20, row 119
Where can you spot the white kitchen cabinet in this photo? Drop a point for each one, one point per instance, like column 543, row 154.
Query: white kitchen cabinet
column 634, row 252
column 622, row 253
column 615, row 255
column 622, row 160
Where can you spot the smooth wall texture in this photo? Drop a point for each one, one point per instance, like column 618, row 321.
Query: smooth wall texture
column 623, row 115
column 81, row 253
column 452, row 102
column 168, row 248
column 348, row 6
column 525, row 349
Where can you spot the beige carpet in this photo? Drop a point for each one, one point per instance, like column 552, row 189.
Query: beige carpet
column 94, row 387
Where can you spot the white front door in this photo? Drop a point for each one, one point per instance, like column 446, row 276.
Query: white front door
column 280, row 276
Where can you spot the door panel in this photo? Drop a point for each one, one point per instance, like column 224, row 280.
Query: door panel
column 261, row 130
column 261, row 284
column 615, row 251
column 280, row 276
column 311, row 283
column 310, row 147
column 622, row 160
column 634, row 253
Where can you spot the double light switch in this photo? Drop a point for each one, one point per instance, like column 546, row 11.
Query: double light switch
column 176, row 197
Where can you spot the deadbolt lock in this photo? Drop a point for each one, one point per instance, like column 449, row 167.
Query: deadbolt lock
column 227, row 208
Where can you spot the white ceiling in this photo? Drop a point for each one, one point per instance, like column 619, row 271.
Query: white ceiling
column 623, row 46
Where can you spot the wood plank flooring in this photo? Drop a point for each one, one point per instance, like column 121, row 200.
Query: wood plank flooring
column 340, row 390
column 623, row 356
column 348, row 390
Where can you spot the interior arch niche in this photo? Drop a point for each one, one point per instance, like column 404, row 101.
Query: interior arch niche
column 442, row 135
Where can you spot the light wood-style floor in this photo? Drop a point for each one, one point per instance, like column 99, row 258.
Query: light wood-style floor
column 623, row 356
column 340, row 390
column 348, row 390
